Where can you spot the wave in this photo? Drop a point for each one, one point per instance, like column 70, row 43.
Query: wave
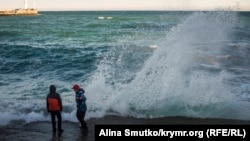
column 168, row 84
column 187, row 69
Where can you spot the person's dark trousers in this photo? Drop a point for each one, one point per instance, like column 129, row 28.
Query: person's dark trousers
column 57, row 114
column 80, row 116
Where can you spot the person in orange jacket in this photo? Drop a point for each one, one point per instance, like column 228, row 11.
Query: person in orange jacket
column 54, row 107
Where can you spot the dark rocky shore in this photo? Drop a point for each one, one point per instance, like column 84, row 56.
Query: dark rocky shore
column 41, row 131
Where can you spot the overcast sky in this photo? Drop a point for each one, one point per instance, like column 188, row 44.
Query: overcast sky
column 57, row 5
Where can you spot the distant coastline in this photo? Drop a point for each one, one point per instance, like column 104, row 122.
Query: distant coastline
column 20, row 11
column 16, row 12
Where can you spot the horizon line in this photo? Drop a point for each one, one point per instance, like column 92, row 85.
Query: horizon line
column 145, row 10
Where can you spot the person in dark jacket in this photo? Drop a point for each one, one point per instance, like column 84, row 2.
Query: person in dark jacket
column 54, row 107
column 81, row 106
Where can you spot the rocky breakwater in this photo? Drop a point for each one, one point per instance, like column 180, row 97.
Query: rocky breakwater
column 18, row 12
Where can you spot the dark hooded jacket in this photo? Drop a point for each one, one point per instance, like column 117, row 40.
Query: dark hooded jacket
column 54, row 102
column 81, row 100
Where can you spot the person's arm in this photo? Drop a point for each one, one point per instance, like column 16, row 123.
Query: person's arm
column 83, row 98
column 60, row 103
column 47, row 103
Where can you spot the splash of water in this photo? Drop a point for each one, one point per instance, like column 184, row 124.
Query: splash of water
column 172, row 81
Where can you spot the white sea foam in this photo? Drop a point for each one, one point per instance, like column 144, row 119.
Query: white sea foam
column 168, row 84
column 184, row 75
column 102, row 18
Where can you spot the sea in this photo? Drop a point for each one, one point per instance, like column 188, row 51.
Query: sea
column 141, row 64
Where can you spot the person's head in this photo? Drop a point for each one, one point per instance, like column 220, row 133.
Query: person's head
column 52, row 88
column 76, row 87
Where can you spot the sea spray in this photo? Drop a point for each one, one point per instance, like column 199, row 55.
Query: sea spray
column 140, row 64
column 171, row 82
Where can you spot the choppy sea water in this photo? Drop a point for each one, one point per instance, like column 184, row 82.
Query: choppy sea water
column 140, row 64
